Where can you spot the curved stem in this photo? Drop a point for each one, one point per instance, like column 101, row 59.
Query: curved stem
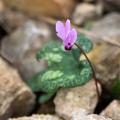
column 94, row 76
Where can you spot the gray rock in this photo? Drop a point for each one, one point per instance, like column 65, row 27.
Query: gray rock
column 15, row 97
column 113, row 110
column 11, row 20
column 108, row 27
column 38, row 117
column 67, row 101
column 21, row 46
column 81, row 114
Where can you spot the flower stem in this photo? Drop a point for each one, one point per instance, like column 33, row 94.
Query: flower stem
column 94, row 76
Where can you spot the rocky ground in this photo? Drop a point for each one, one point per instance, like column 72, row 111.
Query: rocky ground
column 23, row 30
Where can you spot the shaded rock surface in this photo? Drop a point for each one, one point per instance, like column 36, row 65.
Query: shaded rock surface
column 111, row 5
column 20, row 47
column 113, row 110
column 70, row 100
column 15, row 97
column 46, row 108
column 38, row 117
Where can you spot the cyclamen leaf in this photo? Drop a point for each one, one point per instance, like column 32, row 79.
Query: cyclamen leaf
column 68, row 67
column 116, row 88
column 84, row 42
column 64, row 70
column 67, row 76
column 54, row 52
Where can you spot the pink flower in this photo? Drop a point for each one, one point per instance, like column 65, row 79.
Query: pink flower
column 65, row 33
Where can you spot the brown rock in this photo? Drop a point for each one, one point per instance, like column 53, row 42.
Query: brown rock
column 21, row 46
column 113, row 110
column 15, row 97
column 2, row 7
column 56, row 8
column 106, row 59
column 67, row 101
column 38, row 117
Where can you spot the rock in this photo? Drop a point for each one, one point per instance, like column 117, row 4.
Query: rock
column 108, row 27
column 10, row 20
column 70, row 100
column 21, row 46
column 106, row 63
column 56, row 8
column 96, row 117
column 113, row 110
column 2, row 7
column 46, row 108
column 38, row 117
column 15, row 97
column 105, row 56
column 84, row 12
column 83, row 115
column 89, row 0
column 79, row 114
column 111, row 5
column 116, row 2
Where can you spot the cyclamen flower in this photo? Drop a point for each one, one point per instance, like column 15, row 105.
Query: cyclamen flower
column 66, row 34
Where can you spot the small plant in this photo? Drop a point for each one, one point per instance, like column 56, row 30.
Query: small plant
column 116, row 88
column 65, row 69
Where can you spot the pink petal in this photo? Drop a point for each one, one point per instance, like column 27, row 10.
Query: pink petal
column 72, row 36
column 60, row 29
column 67, row 27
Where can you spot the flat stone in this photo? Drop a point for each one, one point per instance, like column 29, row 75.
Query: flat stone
column 15, row 97
column 112, row 110
column 38, row 117
column 67, row 101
